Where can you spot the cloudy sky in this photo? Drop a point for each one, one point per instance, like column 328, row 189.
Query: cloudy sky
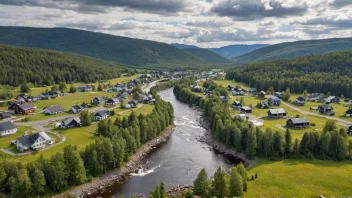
column 205, row 23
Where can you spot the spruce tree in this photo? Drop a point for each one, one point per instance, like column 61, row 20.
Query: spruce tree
column 219, row 183
column 74, row 167
column 242, row 171
column 38, row 182
column 201, row 184
column 236, row 184
column 288, row 142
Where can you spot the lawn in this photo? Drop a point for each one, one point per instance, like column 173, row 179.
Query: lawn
column 300, row 178
column 5, row 141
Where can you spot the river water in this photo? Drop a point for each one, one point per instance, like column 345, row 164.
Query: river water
column 177, row 161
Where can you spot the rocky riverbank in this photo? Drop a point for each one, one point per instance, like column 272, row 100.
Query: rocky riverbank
column 117, row 175
column 220, row 147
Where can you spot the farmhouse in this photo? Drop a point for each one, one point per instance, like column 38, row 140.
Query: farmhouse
column 332, row 99
column 261, row 95
column 274, row 100
column 246, row 109
column 297, row 122
column 7, row 128
column 24, row 109
column 236, row 104
column 70, row 122
column 300, row 101
column 315, row 97
column 98, row 100
column 101, row 115
column 326, row 109
column 112, row 101
column 349, row 113
column 33, row 141
column 279, row 94
column 53, row 110
column 276, row 113
column 77, row 108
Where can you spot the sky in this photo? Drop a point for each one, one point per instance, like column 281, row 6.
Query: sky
column 205, row 23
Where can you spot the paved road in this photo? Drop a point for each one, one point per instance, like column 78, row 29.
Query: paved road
column 339, row 121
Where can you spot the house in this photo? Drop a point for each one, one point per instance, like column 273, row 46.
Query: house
column 349, row 113
column 33, row 141
column 101, row 115
column 315, row 97
column 133, row 103
column 57, row 93
column 246, row 109
column 236, row 104
column 264, row 105
column 300, row 101
column 70, row 122
column 278, row 94
column 24, row 109
column 332, row 99
column 297, row 122
column 7, row 128
column 326, row 109
column 349, row 131
column 77, row 108
column 252, row 90
column 143, row 98
column 112, row 101
column 85, row 88
column 45, row 96
column 274, row 100
column 5, row 115
column 224, row 99
column 122, row 96
column 261, row 95
column 229, row 87
column 98, row 100
column 53, row 110
column 277, row 113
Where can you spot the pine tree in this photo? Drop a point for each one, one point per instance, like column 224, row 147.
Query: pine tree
column 304, row 146
column 100, row 88
column 201, row 184
column 38, row 182
column 288, row 142
column 219, row 183
column 74, row 167
column 251, row 144
column 236, row 184
column 242, row 171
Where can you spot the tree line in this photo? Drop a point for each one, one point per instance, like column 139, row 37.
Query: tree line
column 326, row 73
column 119, row 139
column 245, row 137
column 43, row 67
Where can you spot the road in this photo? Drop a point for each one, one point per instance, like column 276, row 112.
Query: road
column 339, row 121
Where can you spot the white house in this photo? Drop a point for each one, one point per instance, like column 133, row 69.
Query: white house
column 7, row 128
column 101, row 115
column 33, row 141
column 53, row 110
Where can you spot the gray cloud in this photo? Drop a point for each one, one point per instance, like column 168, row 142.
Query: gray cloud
column 252, row 9
column 340, row 3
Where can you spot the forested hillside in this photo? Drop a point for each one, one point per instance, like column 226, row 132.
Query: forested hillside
column 232, row 51
column 295, row 49
column 103, row 46
column 183, row 46
column 326, row 73
column 207, row 55
column 20, row 65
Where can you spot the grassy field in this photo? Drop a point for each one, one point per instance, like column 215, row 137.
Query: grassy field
column 5, row 141
column 300, row 178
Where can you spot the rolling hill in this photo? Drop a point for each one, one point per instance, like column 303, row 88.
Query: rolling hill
column 19, row 65
column 124, row 50
column 207, row 55
column 183, row 46
column 232, row 51
column 295, row 49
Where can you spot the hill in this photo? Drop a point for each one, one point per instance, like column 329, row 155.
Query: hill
column 124, row 50
column 295, row 49
column 325, row 73
column 232, row 51
column 19, row 65
column 183, row 46
column 207, row 55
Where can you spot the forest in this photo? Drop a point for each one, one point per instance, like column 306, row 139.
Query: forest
column 245, row 137
column 19, row 65
column 328, row 73
column 118, row 140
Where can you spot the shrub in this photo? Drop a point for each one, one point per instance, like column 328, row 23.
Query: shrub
column 312, row 124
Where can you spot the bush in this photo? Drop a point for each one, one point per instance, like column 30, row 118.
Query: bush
column 26, row 119
column 25, row 88
column 312, row 124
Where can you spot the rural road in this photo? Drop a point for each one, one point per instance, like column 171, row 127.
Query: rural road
column 341, row 122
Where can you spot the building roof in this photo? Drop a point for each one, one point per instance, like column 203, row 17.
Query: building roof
column 4, row 126
column 300, row 98
column 114, row 100
column 299, row 120
column 236, row 103
column 26, row 106
column 277, row 111
column 69, row 120
column 102, row 113
column 5, row 114
column 262, row 92
column 55, row 109
column 99, row 98
column 30, row 139
column 78, row 107
column 274, row 98
column 326, row 106
column 246, row 108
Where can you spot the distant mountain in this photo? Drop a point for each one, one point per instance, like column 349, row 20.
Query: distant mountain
column 207, row 55
column 295, row 49
column 125, row 50
column 183, row 46
column 21, row 65
column 232, row 51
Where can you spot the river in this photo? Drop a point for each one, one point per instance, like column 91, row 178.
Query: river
column 177, row 161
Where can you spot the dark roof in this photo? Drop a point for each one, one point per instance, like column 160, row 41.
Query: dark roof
column 5, row 114
column 4, row 126
column 326, row 106
column 274, row 98
column 277, row 111
column 56, row 108
column 69, row 120
column 30, row 139
column 300, row 98
column 299, row 120
column 349, row 111
column 78, row 107
column 26, row 106
column 99, row 98
column 101, row 113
